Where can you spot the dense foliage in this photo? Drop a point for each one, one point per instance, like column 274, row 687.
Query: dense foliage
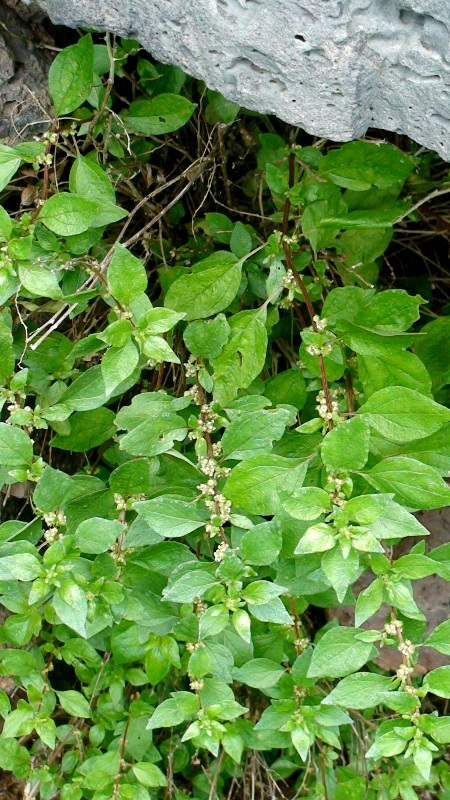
column 217, row 427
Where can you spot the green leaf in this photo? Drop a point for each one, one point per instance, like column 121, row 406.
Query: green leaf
column 220, row 110
column 70, row 604
column 87, row 429
column 260, row 592
column 396, row 523
column 40, row 281
column 241, row 241
column 307, row 503
column 340, row 571
column 171, row 517
column 403, row 415
column 360, row 165
column 210, row 288
column 361, row 690
column 261, row 544
column 154, row 435
column 434, row 350
column 132, row 478
column 243, row 357
column 439, row 638
column 393, row 368
column 10, row 162
column 415, row 485
column 71, row 76
column 118, row 363
column 156, row 348
column 346, row 447
column 159, row 320
column 126, row 276
column 253, row 432
column 214, row 620
column 286, row 388
column 21, row 567
column 317, row 539
column 88, row 179
column 149, row 774
column 434, row 450
column 16, row 448
column 339, row 652
column 207, row 338
column 191, row 584
column 163, row 114
column 260, row 673
column 97, row 535
column 438, row 682
column 74, row 703
column 254, row 484
column 67, row 214
column 368, row 602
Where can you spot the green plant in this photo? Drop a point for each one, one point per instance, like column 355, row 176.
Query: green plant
column 210, row 455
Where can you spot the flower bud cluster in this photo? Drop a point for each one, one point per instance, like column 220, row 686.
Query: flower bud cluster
column 322, row 407
column 314, row 350
column 196, row 685
column 206, row 422
column 191, row 367
column 289, row 281
column 320, row 324
column 194, row 394
column 54, row 521
column 406, row 648
column 191, row 647
column 404, row 671
column 337, row 495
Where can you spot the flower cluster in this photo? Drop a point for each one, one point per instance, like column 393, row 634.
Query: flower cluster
column 322, row 407
column 191, row 367
column 54, row 521
column 206, row 422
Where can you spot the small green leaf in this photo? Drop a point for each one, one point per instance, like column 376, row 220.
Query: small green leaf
column 16, row 448
column 307, row 503
column 261, row 544
column 439, row 638
column 87, row 429
column 21, row 567
column 67, row 214
column 210, row 288
column 171, row 517
column 74, row 703
column 250, row 432
column 254, row 484
column 438, row 682
column 415, row 485
column 71, row 76
column 149, row 774
column 126, row 276
column 361, row 690
column 207, row 337
column 97, row 535
column 339, row 652
column 165, row 113
column 118, row 363
column 403, row 415
column 260, row 673
column 88, row 179
column 346, row 447
column 261, row 592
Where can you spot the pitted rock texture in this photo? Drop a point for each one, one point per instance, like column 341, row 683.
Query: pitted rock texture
column 333, row 67
column 26, row 52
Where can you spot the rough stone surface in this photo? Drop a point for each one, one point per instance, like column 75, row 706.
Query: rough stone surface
column 25, row 55
column 334, row 67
